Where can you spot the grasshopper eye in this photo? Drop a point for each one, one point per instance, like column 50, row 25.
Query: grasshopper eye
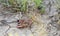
column 17, row 20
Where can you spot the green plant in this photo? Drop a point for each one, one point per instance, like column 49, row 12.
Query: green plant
column 42, row 11
column 37, row 2
column 21, row 5
column 24, row 5
column 38, row 5
column 18, row 5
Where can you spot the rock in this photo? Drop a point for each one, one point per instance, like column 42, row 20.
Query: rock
column 3, row 30
column 19, row 32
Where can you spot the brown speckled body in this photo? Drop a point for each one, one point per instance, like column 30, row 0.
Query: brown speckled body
column 24, row 23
